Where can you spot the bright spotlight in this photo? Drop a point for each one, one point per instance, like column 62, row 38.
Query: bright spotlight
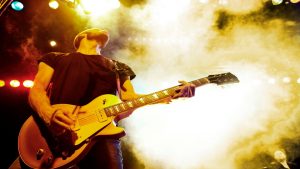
column 53, row 43
column 286, row 80
column 28, row 83
column 98, row 7
column 277, row 2
column 17, row 5
column 298, row 80
column 14, row 83
column 295, row 1
column 2, row 83
column 53, row 4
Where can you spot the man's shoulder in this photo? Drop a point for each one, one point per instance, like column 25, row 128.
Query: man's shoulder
column 51, row 57
column 52, row 54
column 56, row 53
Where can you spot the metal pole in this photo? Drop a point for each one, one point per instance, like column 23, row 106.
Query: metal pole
column 4, row 5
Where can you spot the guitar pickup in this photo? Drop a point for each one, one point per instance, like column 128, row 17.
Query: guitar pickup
column 101, row 115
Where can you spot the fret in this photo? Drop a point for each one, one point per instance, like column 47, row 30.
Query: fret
column 108, row 114
column 126, row 106
column 129, row 103
column 165, row 92
column 155, row 96
column 200, row 82
column 136, row 102
column 160, row 94
column 141, row 100
column 171, row 91
column 116, row 109
column 122, row 106
column 112, row 112
column 150, row 99
column 197, row 82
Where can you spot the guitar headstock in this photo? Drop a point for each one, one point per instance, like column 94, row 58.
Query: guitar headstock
column 223, row 78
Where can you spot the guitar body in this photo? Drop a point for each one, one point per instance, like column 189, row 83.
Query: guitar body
column 38, row 148
column 42, row 147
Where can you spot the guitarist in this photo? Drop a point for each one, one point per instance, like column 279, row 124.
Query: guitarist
column 77, row 78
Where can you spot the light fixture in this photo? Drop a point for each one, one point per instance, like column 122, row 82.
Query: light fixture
column 28, row 83
column 53, row 4
column 295, row 1
column 17, row 5
column 14, row 83
column 2, row 83
column 277, row 2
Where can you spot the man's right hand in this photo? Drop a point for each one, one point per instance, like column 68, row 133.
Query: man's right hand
column 62, row 119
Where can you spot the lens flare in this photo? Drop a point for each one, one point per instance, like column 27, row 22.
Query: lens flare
column 53, row 4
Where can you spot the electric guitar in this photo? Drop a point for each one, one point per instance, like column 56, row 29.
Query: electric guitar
column 40, row 147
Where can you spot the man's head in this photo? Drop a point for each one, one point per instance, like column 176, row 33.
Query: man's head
column 99, row 35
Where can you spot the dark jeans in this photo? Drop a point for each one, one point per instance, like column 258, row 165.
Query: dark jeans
column 105, row 154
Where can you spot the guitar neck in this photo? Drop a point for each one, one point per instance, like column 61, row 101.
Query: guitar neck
column 148, row 99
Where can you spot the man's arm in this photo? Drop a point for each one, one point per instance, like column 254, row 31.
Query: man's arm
column 128, row 92
column 38, row 98
column 40, row 102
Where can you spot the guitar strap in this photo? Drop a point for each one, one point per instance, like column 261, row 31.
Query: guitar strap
column 116, row 70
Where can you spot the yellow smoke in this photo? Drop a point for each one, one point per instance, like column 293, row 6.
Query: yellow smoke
column 221, row 126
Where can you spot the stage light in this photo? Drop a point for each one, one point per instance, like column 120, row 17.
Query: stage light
column 2, row 83
column 295, row 1
column 17, row 5
column 286, row 80
column 28, row 83
column 277, row 2
column 98, row 7
column 298, row 80
column 14, row 83
column 53, row 43
column 53, row 4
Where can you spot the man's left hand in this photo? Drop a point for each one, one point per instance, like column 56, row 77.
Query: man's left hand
column 185, row 90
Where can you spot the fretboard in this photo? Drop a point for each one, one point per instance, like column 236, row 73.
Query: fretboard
column 148, row 99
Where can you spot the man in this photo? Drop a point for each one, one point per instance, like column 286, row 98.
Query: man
column 78, row 78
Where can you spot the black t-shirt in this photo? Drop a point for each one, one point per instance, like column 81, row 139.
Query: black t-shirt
column 79, row 78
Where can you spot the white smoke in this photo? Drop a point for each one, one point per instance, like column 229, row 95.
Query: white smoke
column 220, row 126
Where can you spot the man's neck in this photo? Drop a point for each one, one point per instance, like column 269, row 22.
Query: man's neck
column 88, row 51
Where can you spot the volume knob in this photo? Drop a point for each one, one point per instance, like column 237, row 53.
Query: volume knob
column 40, row 153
